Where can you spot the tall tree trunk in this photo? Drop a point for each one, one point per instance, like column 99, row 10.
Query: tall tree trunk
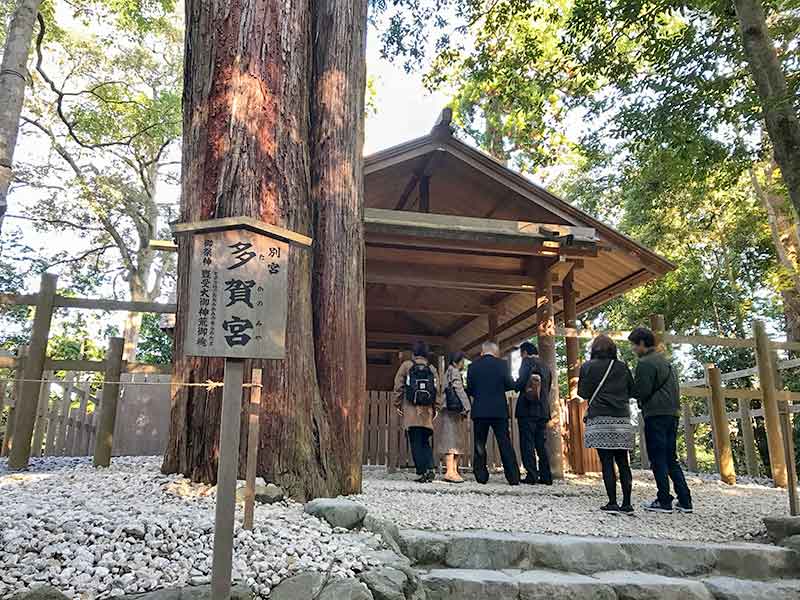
column 337, row 193
column 777, row 103
column 251, row 83
column 783, row 228
column 13, row 79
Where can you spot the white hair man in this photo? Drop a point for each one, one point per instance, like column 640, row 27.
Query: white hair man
column 488, row 380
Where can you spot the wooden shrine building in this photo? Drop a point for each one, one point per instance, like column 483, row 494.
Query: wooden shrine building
column 461, row 249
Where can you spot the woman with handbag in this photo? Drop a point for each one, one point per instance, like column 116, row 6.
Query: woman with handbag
column 608, row 384
column 452, row 421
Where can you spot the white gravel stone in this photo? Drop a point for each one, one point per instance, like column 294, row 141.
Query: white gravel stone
column 126, row 529
column 722, row 512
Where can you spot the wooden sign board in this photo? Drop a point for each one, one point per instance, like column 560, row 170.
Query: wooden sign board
column 238, row 295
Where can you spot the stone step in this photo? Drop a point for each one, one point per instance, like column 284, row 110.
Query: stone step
column 589, row 555
column 483, row 584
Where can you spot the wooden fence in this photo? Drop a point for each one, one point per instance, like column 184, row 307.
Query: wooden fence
column 385, row 442
column 68, row 409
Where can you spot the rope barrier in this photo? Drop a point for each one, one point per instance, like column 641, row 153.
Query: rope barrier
column 208, row 384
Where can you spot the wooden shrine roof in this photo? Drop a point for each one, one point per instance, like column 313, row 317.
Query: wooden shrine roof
column 453, row 235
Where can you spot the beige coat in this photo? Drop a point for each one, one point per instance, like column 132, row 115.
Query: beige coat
column 415, row 416
column 451, row 427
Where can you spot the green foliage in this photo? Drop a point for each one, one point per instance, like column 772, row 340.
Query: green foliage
column 155, row 345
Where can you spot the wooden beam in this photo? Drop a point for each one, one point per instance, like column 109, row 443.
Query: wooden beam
column 438, row 306
column 425, row 193
column 429, row 164
column 374, row 337
column 389, row 273
column 111, row 305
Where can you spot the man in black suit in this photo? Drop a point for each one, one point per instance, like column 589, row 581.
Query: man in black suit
column 488, row 380
column 533, row 414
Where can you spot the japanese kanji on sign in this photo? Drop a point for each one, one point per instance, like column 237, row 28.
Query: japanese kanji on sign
column 237, row 305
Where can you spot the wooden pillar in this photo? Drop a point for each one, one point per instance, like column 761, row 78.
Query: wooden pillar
column 644, row 456
column 396, row 434
column 748, row 437
column 546, row 332
column 573, row 370
column 8, row 436
column 791, row 466
column 104, row 436
column 20, row 451
column 492, row 317
column 766, row 377
column 658, row 326
column 688, row 435
column 720, row 429
column 253, row 426
column 425, row 193
column 41, row 414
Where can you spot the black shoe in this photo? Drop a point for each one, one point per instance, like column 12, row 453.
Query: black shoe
column 612, row 508
column 687, row 510
column 422, row 478
column 431, row 475
column 546, row 481
column 626, row 509
column 656, row 506
column 530, row 480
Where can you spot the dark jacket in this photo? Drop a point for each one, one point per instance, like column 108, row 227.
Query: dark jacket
column 488, row 380
column 540, row 408
column 614, row 398
column 656, row 386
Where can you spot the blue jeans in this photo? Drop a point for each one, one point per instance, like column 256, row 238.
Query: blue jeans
column 661, row 434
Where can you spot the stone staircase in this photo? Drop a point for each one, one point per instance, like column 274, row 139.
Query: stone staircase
column 486, row 565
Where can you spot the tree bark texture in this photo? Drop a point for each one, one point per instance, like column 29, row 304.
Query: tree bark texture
column 337, row 194
column 13, row 79
column 262, row 103
column 777, row 104
column 783, row 229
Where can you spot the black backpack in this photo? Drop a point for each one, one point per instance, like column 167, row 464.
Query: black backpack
column 420, row 385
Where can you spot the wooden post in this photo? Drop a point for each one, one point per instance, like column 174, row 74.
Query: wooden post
column 395, row 429
column 546, row 331
column 104, row 435
column 645, row 457
column 63, row 418
column 8, row 436
column 659, row 328
column 688, row 435
column 492, row 317
column 573, row 371
column 766, row 377
column 748, row 437
column 41, row 414
column 425, row 194
column 20, row 452
column 227, row 470
column 791, row 467
column 720, row 428
column 252, row 448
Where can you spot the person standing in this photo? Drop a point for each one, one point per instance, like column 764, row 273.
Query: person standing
column 533, row 413
column 488, row 380
column 657, row 391
column 607, row 384
column 452, row 422
column 417, row 401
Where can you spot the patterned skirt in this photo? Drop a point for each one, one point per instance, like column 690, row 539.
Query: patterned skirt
column 609, row 433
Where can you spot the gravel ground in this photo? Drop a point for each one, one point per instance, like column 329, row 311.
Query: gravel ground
column 101, row 533
column 722, row 513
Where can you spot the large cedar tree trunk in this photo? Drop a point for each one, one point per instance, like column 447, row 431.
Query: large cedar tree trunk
column 777, row 104
column 13, row 79
column 273, row 127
